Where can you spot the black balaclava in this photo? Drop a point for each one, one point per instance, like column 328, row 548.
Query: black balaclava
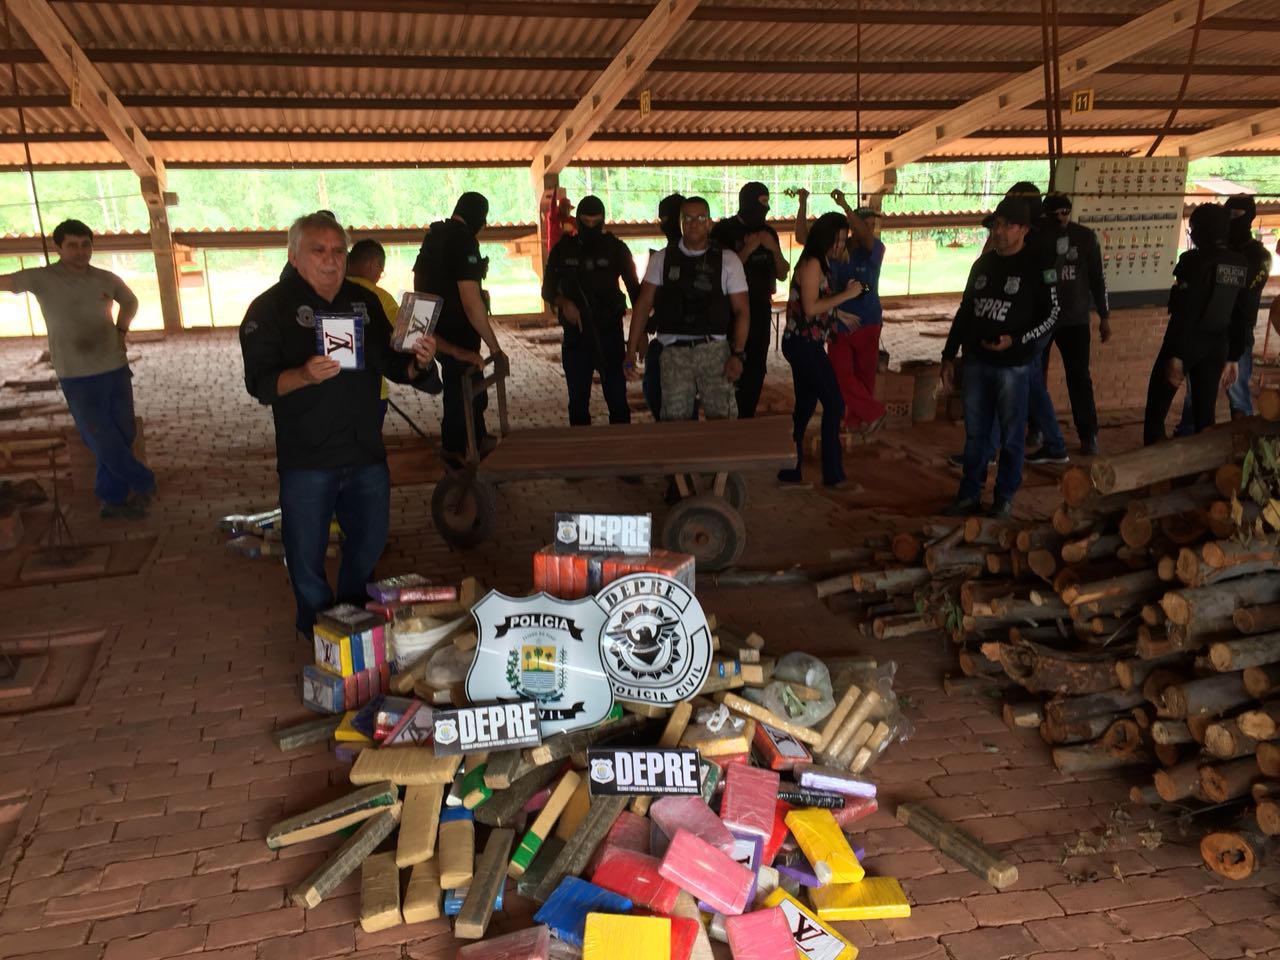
column 1209, row 226
column 1240, row 230
column 750, row 209
column 590, row 207
column 473, row 208
column 669, row 216
column 1052, row 204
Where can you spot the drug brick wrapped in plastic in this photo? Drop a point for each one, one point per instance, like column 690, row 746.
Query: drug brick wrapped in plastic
column 816, row 776
column 691, row 814
column 760, row 935
column 629, row 832
column 615, row 937
column 709, row 874
column 565, row 911
column 636, row 877
column 875, row 898
column 531, row 944
column 750, row 799
column 814, row 940
column 825, row 845
column 855, row 810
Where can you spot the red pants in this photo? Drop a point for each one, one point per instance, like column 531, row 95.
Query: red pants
column 854, row 357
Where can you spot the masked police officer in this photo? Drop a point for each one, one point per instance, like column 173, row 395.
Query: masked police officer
column 749, row 235
column 1206, row 332
column 581, row 281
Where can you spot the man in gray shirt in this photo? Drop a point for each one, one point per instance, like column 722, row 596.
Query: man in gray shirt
column 86, row 346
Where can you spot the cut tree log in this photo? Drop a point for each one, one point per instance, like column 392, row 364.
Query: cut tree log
column 1042, row 669
column 1121, row 746
column 1226, row 741
column 907, row 547
column 1095, row 546
column 898, row 580
column 1181, row 500
column 1071, row 709
column 999, row 564
column 1256, row 651
column 984, row 531
column 1226, row 781
column 1268, row 757
column 1208, row 695
column 1204, row 451
column 1268, row 816
column 1210, row 608
column 1260, row 682
column 960, row 846
column 965, row 558
column 1171, row 732
column 1132, row 672
column 901, row 625
column 1078, row 731
column 1239, row 853
column 1259, row 619
column 1226, row 479
column 1129, row 586
column 1076, row 485
column 1022, row 716
column 1263, row 723
column 1178, row 782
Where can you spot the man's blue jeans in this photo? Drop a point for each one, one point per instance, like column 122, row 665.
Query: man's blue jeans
column 360, row 497
column 1040, row 412
column 102, row 407
column 1238, row 396
column 994, row 394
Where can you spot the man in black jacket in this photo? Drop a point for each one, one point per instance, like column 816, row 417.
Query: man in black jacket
column 1009, row 304
column 449, row 265
column 581, row 280
column 1206, row 331
column 1077, row 256
column 328, row 418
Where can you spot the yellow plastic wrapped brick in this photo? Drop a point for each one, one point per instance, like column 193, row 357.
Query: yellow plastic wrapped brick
column 612, row 936
column 875, row 898
column 814, row 939
column 825, row 846
column 347, row 733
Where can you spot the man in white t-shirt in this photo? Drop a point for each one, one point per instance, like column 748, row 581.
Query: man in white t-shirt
column 699, row 298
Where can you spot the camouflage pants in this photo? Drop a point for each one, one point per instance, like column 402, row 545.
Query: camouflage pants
column 697, row 371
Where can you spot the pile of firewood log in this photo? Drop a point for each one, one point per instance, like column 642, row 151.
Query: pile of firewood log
column 1138, row 628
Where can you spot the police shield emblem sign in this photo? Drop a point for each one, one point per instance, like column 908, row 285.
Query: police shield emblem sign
column 543, row 649
column 656, row 642
column 1012, row 285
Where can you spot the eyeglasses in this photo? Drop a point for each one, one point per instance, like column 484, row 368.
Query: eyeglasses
column 695, row 218
column 1063, row 213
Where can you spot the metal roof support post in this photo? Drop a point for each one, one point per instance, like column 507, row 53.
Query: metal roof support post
column 91, row 96
column 1233, row 135
column 1118, row 44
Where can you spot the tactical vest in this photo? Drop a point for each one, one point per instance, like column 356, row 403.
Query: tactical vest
column 691, row 301
column 1226, row 275
column 590, row 276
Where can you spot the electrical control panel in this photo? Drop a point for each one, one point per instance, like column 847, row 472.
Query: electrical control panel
column 1134, row 205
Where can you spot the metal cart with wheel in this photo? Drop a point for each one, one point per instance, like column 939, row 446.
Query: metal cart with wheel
column 705, row 458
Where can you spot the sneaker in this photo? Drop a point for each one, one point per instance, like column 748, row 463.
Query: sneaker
column 874, row 425
column 122, row 511
column 1001, row 510
column 1034, row 439
column 1089, row 447
column 789, row 475
column 1044, row 455
column 962, row 508
column 957, row 460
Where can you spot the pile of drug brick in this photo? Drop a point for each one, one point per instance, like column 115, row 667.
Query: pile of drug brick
column 761, row 856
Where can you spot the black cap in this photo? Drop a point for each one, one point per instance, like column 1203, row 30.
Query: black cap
column 590, row 206
column 1056, row 201
column 1012, row 210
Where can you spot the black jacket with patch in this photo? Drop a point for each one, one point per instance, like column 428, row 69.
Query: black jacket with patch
column 1015, row 296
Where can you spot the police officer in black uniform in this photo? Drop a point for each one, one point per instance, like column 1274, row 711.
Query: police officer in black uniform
column 581, row 281
column 749, row 235
column 450, row 266
column 1206, row 331
column 1075, row 251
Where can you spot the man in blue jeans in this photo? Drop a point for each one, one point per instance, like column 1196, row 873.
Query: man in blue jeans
column 1009, row 306
column 327, row 414
column 86, row 347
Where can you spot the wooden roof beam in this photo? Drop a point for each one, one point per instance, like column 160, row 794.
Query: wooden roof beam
column 1234, row 135
column 617, row 79
column 1140, row 33
column 90, row 95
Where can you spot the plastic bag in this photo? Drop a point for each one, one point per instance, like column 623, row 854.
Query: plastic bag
column 805, row 670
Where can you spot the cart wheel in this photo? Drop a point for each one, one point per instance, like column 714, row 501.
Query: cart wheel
column 464, row 509
column 735, row 488
column 708, row 528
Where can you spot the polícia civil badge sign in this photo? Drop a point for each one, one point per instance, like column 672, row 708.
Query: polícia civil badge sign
column 656, row 642
column 543, row 649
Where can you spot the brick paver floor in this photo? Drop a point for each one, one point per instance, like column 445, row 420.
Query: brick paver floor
column 138, row 813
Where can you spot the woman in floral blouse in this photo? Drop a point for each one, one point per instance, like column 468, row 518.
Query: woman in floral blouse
column 810, row 318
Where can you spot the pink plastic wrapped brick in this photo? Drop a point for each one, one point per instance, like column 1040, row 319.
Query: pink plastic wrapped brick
column 531, row 944
column 709, row 874
column 750, row 798
column 854, row 810
column 636, row 877
column 760, row 935
column 629, row 832
column 690, row 813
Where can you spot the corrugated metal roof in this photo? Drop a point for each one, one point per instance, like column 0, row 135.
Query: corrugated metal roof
column 728, row 68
